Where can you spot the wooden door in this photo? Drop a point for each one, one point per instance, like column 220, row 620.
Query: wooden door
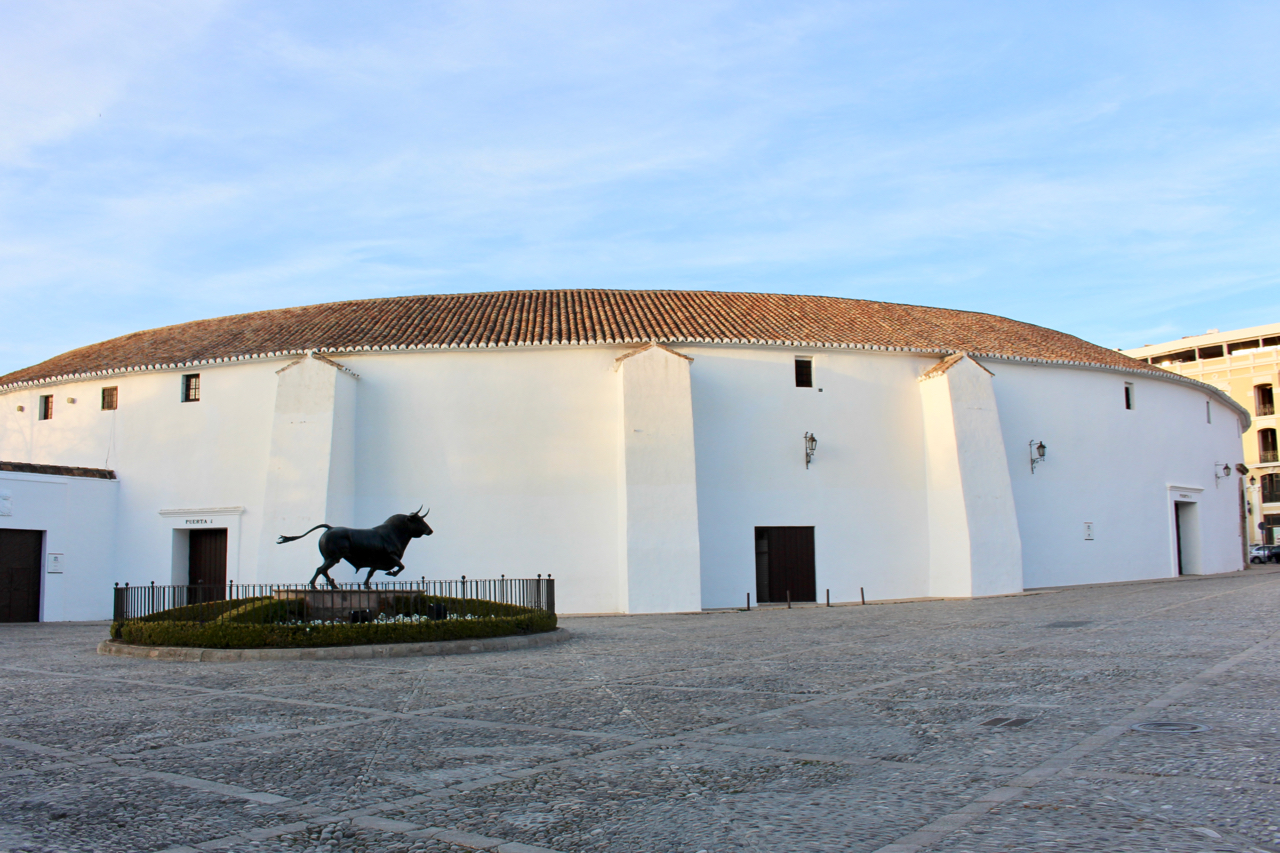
column 785, row 563
column 20, row 575
column 207, row 563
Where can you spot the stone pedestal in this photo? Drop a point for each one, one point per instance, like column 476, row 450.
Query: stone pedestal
column 345, row 605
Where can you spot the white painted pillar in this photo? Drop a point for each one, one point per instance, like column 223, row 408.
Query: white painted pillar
column 974, row 544
column 659, row 555
column 311, row 470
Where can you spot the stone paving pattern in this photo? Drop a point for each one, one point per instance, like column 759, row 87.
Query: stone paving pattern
column 844, row 728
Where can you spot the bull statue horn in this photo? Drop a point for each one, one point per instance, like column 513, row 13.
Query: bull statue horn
column 418, row 511
column 428, row 512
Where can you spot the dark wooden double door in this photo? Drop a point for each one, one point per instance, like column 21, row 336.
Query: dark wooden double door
column 20, row 575
column 207, row 564
column 785, row 563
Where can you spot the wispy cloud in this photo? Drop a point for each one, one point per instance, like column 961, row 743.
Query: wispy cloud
column 1108, row 170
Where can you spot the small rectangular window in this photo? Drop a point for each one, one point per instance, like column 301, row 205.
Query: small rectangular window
column 46, row 407
column 1128, row 395
column 1208, row 412
column 110, row 396
column 191, row 388
column 804, row 373
column 1211, row 352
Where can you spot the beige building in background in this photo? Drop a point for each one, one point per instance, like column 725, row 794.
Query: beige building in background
column 1244, row 363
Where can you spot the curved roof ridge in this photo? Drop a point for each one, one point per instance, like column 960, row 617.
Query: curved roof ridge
column 593, row 316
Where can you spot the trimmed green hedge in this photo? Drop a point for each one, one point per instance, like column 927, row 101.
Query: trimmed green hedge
column 208, row 609
column 478, row 608
column 261, row 623
column 264, row 610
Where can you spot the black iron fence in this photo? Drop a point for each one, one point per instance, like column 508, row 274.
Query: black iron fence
column 463, row 598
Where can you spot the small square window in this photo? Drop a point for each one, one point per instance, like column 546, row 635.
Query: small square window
column 110, row 398
column 804, row 373
column 191, row 388
column 1128, row 395
column 46, row 407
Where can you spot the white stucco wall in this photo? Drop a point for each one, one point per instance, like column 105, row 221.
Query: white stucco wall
column 78, row 516
column 864, row 494
column 657, row 485
column 310, row 468
column 523, row 456
column 514, row 451
column 974, row 546
column 1114, row 467
column 168, row 455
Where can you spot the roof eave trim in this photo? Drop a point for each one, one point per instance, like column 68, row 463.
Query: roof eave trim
column 1242, row 414
column 366, row 348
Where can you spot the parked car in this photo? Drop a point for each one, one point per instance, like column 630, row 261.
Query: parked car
column 1264, row 553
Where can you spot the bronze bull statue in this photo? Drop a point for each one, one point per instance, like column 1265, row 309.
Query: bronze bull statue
column 377, row 549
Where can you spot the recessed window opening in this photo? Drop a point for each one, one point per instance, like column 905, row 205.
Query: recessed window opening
column 46, row 407
column 191, row 388
column 1267, row 445
column 1264, row 400
column 1175, row 357
column 1128, row 395
column 1211, row 352
column 110, row 398
column 1270, row 488
column 804, row 372
column 1271, row 342
column 1242, row 345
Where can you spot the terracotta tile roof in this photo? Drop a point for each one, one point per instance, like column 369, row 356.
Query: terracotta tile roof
column 574, row 317
column 58, row 470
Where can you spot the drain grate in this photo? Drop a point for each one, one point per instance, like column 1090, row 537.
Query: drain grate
column 1077, row 624
column 1165, row 727
column 1007, row 722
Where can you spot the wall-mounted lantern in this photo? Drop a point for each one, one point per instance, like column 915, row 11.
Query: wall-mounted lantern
column 810, row 447
column 1037, row 453
column 1253, row 481
column 1221, row 471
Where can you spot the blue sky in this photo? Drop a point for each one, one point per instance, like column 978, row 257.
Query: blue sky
column 1108, row 169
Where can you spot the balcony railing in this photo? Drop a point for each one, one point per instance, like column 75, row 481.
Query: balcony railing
column 1266, row 409
column 1269, row 456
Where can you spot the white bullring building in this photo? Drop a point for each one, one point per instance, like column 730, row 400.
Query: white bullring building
column 654, row 451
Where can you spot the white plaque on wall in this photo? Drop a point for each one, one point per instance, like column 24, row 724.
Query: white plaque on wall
column 53, row 565
column 6, row 502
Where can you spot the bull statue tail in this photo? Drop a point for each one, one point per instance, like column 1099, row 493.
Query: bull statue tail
column 284, row 539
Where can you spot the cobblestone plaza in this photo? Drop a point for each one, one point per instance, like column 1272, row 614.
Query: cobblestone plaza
column 1000, row 724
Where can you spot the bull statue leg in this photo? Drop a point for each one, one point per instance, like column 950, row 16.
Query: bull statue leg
column 368, row 578
column 329, row 563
